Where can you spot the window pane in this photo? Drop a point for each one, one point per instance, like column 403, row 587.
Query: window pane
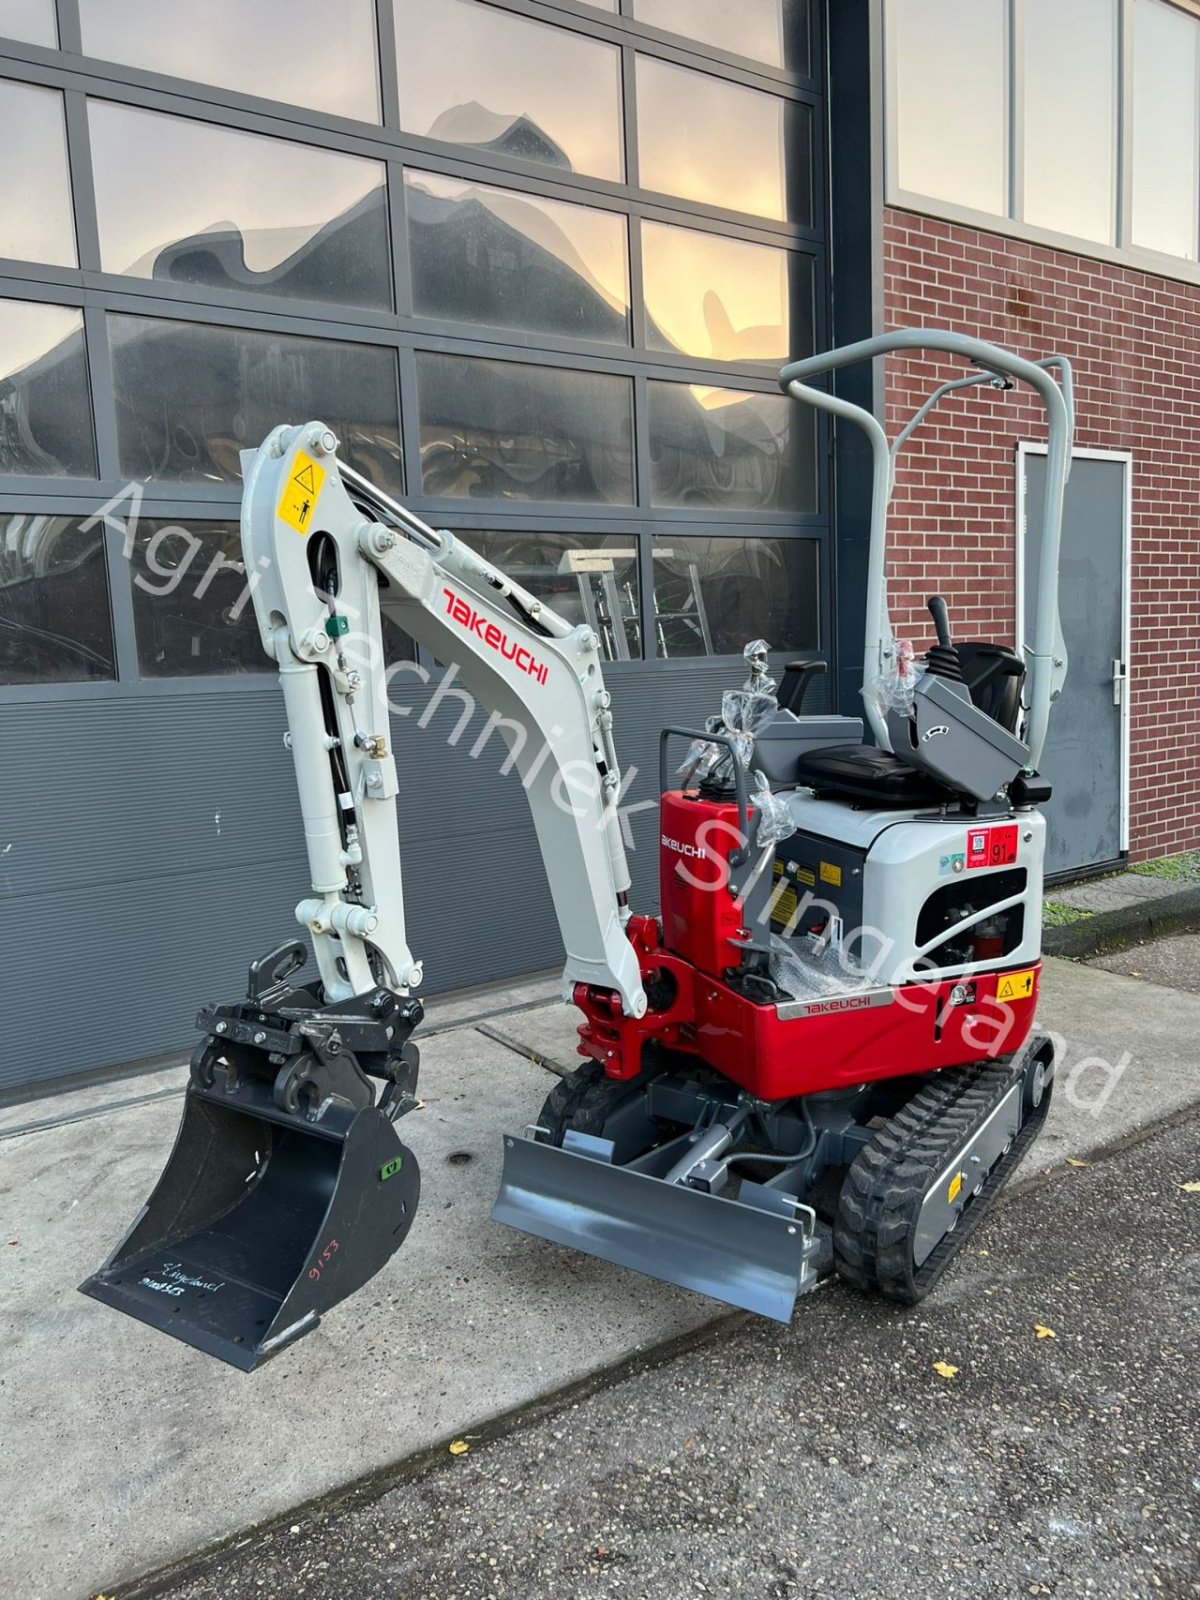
column 730, row 448
column 514, row 260
column 774, row 31
column 293, row 220
column 950, row 89
column 55, row 623
column 502, row 430
column 45, row 410
column 192, row 609
column 299, row 51
column 1070, row 116
column 712, row 596
column 36, row 221
column 721, row 298
column 190, row 397
column 473, row 74
column 722, row 144
column 1165, row 134
column 31, row 21
column 590, row 578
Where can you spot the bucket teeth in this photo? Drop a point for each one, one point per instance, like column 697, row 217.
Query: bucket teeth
column 741, row 1254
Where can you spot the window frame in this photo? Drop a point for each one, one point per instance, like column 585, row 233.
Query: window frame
column 1122, row 253
column 97, row 294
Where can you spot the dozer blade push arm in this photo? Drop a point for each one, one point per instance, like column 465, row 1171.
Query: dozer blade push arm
column 318, row 537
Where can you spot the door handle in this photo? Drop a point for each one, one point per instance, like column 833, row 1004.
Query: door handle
column 1120, row 676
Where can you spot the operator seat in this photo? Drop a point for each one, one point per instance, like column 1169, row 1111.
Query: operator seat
column 993, row 675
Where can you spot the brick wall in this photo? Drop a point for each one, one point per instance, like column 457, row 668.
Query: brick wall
column 1134, row 340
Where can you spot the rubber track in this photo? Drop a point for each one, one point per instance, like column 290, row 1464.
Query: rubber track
column 581, row 1100
column 887, row 1182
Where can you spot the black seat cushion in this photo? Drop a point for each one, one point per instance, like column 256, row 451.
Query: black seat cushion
column 864, row 773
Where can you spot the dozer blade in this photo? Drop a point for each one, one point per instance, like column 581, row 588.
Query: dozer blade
column 758, row 1257
column 261, row 1221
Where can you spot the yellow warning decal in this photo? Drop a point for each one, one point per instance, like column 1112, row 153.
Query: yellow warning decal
column 831, row 874
column 952, row 1192
column 299, row 497
column 1016, row 985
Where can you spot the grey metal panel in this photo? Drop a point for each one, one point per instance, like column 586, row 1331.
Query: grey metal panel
column 127, row 904
column 1083, row 752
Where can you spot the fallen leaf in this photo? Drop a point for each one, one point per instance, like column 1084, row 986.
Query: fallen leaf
column 459, row 1447
column 945, row 1370
column 1074, row 1161
column 1041, row 1332
column 1188, row 1188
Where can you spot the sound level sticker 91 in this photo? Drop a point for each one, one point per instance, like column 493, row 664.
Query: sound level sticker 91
column 299, row 497
column 992, row 847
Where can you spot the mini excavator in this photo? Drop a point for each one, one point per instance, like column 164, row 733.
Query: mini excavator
column 820, row 1051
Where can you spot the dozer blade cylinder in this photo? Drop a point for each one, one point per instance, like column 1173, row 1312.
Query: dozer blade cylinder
column 261, row 1221
column 745, row 1256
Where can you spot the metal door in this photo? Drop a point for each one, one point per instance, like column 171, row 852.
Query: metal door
column 1086, row 754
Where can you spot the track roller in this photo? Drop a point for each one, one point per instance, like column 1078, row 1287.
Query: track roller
column 916, row 1193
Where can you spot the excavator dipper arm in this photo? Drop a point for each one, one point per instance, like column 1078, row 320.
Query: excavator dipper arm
column 322, row 538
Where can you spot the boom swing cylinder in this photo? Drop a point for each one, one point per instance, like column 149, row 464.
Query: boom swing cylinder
column 758, row 1094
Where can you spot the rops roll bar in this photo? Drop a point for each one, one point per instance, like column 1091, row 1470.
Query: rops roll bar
column 1046, row 656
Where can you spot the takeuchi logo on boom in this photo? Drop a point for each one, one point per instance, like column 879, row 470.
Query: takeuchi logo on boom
column 494, row 637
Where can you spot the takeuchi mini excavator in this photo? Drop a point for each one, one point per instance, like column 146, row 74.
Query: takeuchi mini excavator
column 822, row 1048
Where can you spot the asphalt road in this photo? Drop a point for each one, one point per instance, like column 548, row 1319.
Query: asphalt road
column 829, row 1460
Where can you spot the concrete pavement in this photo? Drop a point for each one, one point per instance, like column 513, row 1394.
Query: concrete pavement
column 159, row 1452
column 830, row 1460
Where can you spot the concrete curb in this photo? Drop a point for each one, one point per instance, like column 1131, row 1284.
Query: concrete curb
column 1126, row 925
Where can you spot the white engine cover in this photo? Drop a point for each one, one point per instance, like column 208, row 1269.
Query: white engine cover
column 908, row 857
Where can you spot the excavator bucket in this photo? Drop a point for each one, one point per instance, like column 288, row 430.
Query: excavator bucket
column 757, row 1252
column 263, row 1219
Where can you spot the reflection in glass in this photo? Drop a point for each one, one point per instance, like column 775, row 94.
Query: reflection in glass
column 190, row 202
column 711, row 596
column 1070, row 116
column 299, row 51
column 36, row 221
column 45, row 411
column 730, row 448
column 586, row 578
column 55, row 622
column 774, row 31
column 473, row 74
column 504, row 430
column 190, row 397
column 192, row 606
column 722, row 144
column 951, row 94
column 512, row 260
column 1166, row 138
column 724, row 299
column 30, row 21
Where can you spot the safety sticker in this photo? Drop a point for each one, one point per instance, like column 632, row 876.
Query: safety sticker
column 300, row 493
column 831, row 874
column 955, row 862
column 1016, row 985
column 992, row 847
column 956, row 1183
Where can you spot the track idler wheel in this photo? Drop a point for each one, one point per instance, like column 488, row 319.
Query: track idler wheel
column 586, row 1101
column 916, row 1193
